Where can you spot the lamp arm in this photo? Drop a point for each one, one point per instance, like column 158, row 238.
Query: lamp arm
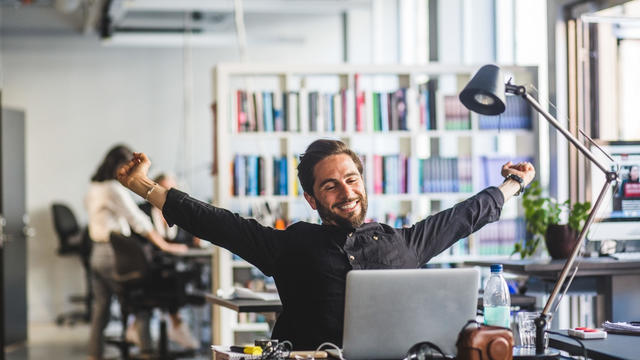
column 583, row 233
column 520, row 90
column 541, row 321
column 611, row 176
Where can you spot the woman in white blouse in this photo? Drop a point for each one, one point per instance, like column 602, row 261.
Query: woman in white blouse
column 112, row 210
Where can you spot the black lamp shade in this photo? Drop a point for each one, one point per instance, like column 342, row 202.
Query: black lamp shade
column 484, row 94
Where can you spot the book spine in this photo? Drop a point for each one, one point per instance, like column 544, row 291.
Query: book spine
column 313, row 111
column 368, row 111
column 338, row 113
column 239, row 111
column 292, row 112
column 257, row 99
column 377, row 174
column 376, row 112
column 384, row 112
column 262, row 181
column 251, row 112
column 303, row 110
column 267, row 107
column 283, row 183
column 350, row 111
column 401, row 107
column 413, row 110
column 359, row 104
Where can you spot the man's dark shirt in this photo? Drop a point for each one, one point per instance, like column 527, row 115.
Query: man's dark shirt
column 309, row 262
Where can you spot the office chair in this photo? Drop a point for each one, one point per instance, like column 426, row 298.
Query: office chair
column 145, row 286
column 74, row 241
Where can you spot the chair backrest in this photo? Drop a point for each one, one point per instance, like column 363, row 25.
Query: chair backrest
column 131, row 261
column 64, row 220
column 69, row 235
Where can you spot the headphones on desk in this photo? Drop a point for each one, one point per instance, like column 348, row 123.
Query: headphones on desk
column 425, row 350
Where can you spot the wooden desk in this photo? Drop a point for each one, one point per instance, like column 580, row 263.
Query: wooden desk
column 246, row 305
column 550, row 269
column 617, row 280
column 195, row 253
column 614, row 347
column 250, row 305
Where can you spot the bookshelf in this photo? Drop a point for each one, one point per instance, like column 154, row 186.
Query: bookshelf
column 422, row 150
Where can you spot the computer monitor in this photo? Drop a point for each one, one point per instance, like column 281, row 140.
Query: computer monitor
column 619, row 216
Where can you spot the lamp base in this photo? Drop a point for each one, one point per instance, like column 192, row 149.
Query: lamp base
column 521, row 353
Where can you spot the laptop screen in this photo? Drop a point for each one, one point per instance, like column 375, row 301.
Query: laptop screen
column 388, row 311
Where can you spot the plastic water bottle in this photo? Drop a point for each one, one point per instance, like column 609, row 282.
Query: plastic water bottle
column 497, row 301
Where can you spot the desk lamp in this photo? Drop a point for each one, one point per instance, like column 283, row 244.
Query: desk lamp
column 485, row 94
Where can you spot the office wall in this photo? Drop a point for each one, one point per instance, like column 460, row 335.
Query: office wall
column 81, row 98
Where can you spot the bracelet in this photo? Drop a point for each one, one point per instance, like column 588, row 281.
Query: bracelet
column 150, row 191
column 519, row 180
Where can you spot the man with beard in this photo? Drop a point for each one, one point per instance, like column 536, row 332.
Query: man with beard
column 309, row 262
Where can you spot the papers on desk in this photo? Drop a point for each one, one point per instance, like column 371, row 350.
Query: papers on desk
column 622, row 327
column 245, row 293
column 224, row 353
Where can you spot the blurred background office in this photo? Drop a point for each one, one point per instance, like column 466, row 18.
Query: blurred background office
column 85, row 74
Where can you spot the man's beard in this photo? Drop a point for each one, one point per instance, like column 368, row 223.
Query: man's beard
column 352, row 222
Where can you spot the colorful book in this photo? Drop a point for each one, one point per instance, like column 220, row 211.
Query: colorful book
column 267, row 107
column 292, row 112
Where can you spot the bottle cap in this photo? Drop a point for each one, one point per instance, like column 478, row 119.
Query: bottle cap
column 496, row 268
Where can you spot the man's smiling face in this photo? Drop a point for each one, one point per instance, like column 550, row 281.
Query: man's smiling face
column 338, row 192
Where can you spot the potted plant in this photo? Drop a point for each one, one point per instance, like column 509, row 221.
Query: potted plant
column 542, row 216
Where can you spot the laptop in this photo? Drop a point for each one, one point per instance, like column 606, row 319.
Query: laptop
column 388, row 311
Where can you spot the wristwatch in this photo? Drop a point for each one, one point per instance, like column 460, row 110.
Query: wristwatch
column 519, row 180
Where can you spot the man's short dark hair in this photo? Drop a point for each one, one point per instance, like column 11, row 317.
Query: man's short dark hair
column 316, row 152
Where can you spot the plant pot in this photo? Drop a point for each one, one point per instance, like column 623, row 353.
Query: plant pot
column 560, row 240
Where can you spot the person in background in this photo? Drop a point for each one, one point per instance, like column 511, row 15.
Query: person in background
column 174, row 234
column 179, row 330
column 112, row 210
column 309, row 262
column 630, row 187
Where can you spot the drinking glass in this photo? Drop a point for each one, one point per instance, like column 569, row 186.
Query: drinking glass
column 526, row 329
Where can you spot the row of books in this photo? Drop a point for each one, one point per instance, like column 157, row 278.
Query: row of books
column 440, row 174
column 456, row 116
column 399, row 174
column 343, row 111
column 384, row 174
column 251, row 318
column 517, row 115
column 388, row 175
column 250, row 175
column 362, row 111
column 498, row 238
